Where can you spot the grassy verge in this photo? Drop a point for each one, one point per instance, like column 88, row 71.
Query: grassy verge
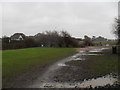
column 15, row 62
column 98, row 65
column 105, row 42
column 107, row 63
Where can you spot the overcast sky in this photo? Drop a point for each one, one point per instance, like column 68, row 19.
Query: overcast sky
column 78, row 18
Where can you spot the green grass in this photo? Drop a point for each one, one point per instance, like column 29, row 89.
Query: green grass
column 107, row 63
column 103, row 64
column 105, row 42
column 101, row 42
column 20, row 60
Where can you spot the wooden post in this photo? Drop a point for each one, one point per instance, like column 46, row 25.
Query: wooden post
column 114, row 50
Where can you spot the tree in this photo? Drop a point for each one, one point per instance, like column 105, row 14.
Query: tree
column 30, row 42
column 56, row 39
column 53, row 38
column 68, row 41
column 116, row 29
column 87, row 41
column 5, row 39
column 48, row 39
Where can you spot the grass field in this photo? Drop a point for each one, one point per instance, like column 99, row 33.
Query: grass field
column 105, row 42
column 103, row 64
column 97, row 43
column 15, row 62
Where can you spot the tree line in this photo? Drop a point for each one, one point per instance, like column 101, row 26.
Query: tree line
column 46, row 39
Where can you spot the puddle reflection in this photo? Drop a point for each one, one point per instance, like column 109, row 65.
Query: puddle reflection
column 62, row 64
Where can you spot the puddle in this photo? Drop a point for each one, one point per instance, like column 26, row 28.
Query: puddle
column 101, row 81
column 62, row 64
column 95, row 50
column 76, row 55
column 81, row 51
column 104, row 48
column 79, row 59
column 98, row 50
column 91, row 54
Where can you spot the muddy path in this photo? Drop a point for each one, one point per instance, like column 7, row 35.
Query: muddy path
column 61, row 75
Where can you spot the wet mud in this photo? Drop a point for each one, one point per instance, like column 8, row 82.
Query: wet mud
column 63, row 75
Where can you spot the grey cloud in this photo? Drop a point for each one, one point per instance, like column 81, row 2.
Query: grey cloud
column 78, row 18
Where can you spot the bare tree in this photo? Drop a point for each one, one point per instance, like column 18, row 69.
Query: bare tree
column 56, row 39
column 87, row 41
column 52, row 38
column 116, row 29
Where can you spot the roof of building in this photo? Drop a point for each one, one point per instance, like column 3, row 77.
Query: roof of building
column 17, row 35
